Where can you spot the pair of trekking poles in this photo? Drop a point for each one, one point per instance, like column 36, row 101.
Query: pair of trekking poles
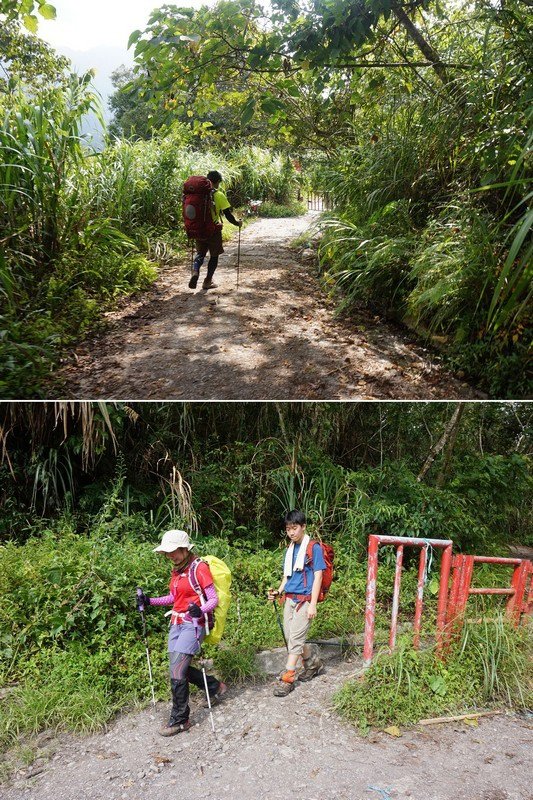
column 140, row 608
column 238, row 256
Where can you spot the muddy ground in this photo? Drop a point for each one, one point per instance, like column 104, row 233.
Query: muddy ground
column 270, row 748
column 275, row 337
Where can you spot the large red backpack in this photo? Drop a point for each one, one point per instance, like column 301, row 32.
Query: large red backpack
column 196, row 207
column 327, row 574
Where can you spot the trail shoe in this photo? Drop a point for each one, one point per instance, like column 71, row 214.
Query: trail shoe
column 194, row 279
column 285, row 685
column 313, row 666
column 172, row 730
column 208, row 284
column 216, row 698
column 282, row 689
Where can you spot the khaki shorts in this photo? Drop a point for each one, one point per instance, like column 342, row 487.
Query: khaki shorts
column 213, row 245
column 295, row 625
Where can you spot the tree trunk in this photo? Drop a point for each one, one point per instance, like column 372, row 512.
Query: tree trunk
column 448, row 450
column 447, row 438
column 421, row 43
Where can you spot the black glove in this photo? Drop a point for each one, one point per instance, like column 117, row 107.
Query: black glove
column 195, row 611
column 142, row 600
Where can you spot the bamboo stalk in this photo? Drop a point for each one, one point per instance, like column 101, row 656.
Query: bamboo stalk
column 436, row 720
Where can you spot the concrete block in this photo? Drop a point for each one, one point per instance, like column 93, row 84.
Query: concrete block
column 272, row 662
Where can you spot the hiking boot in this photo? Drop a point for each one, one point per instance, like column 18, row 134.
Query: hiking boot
column 194, row 279
column 172, row 730
column 313, row 666
column 216, row 698
column 208, row 284
column 282, row 688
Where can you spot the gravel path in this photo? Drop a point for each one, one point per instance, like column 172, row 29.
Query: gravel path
column 277, row 337
column 269, row 748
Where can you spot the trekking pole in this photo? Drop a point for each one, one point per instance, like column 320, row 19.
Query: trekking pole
column 276, row 609
column 140, row 606
column 238, row 257
column 195, row 623
column 208, row 698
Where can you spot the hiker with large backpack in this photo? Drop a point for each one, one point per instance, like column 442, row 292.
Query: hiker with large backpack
column 307, row 572
column 204, row 205
column 193, row 597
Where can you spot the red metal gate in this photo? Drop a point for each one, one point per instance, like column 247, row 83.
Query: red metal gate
column 519, row 593
column 399, row 542
column 451, row 605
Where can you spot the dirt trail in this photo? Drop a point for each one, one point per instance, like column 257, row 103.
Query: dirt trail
column 274, row 338
column 269, row 748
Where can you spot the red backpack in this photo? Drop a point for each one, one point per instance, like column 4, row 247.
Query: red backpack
column 327, row 574
column 196, row 208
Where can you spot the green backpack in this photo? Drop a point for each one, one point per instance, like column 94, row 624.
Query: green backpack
column 222, row 582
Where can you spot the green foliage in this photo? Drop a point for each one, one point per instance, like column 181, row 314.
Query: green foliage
column 489, row 667
column 131, row 119
column 245, row 466
column 263, row 175
column 65, row 689
column 275, row 210
column 29, row 59
column 291, row 73
column 23, row 10
column 236, row 663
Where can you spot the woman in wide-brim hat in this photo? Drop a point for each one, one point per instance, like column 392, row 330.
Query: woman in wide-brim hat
column 193, row 598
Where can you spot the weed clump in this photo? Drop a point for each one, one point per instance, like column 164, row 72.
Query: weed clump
column 489, row 667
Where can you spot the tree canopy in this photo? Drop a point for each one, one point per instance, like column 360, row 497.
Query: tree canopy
column 24, row 10
column 306, row 66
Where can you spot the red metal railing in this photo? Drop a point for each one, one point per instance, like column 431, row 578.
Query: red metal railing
column 519, row 592
column 451, row 605
column 400, row 542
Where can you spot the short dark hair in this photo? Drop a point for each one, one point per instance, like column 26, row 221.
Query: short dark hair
column 214, row 176
column 294, row 517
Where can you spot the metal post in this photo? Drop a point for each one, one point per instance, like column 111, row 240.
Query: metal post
column 419, row 597
column 370, row 610
column 396, row 596
column 464, row 589
column 518, row 583
column 451, row 611
column 528, row 607
column 445, row 567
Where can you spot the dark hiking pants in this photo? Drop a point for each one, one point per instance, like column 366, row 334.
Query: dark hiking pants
column 181, row 674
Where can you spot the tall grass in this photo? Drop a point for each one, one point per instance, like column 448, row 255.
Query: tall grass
column 262, row 175
column 491, row 667
column 41, row 150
